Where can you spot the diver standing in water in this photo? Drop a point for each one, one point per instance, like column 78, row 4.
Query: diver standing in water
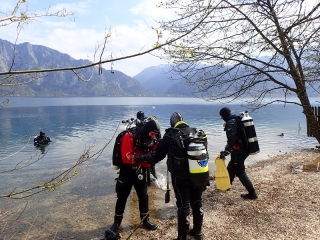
column 133, row 173
column 42, row 139
column 140, row 121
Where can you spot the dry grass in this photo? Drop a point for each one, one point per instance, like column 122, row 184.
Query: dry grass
column 287, row 207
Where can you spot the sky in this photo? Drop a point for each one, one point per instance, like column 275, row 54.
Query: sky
column 129, row 22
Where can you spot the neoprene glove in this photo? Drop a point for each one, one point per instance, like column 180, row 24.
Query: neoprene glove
column 145, row 157
column 140, row 158
column 223, row 154
column 227, row 149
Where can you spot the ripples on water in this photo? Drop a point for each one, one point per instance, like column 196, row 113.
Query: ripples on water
column 76, row 128
column 92, row 122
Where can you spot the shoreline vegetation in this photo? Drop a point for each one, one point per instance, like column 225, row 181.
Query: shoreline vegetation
column 288, row 206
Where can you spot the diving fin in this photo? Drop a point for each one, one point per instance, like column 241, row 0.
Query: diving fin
column 222, row 176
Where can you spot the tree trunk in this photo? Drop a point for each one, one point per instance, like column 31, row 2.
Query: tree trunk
column 311, row 118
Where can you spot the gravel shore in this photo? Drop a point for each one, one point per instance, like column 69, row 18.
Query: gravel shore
column 287, row 207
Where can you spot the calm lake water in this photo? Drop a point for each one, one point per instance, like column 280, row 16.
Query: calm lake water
column 76, row 124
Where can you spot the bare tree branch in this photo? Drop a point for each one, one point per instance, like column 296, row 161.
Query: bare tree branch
column 259, row 52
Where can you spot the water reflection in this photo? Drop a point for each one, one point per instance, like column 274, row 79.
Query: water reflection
column 74, row 129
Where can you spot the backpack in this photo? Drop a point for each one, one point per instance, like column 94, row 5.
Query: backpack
column 194, row 145
column 247, row 133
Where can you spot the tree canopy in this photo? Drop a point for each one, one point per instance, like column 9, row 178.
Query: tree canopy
column 261, row 51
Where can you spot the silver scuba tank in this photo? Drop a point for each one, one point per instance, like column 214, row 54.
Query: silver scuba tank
column 126, row 124
column 198, row 164
column 250, row 132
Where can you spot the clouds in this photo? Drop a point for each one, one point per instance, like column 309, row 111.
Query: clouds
column 131, row 40
column 81, row 7
column 150, row 10
column 129, row 22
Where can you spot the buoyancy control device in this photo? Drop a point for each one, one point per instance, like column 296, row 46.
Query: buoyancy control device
column 250, row 131
column 131, row 126
column 124, row 127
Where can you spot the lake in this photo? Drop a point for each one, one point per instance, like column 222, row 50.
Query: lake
column 78, row 124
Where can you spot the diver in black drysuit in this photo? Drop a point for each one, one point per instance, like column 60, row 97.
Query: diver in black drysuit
column 140, row 123
column 186, row 195
column 239, row 152
column 42, row 139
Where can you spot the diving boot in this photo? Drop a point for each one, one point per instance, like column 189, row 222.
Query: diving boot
column 149, row 225
column 196, row 234
column 116, row 224
column 197, row 223
column 109, row 235
column 181, row 237
column 251, row 195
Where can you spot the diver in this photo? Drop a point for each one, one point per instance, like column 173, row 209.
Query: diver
column 140, row 121
column 133, row 174
column 41, row 139
column 239, row 152
column 187, row 195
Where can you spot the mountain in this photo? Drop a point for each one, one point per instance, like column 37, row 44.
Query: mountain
column 153, row 81
column 156, row 78
column 163, row 81
column 26, row 56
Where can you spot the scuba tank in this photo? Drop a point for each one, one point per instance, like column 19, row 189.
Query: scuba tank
column 123, row 126
column 126, row 124
column 250, row 131
column 198, row 162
